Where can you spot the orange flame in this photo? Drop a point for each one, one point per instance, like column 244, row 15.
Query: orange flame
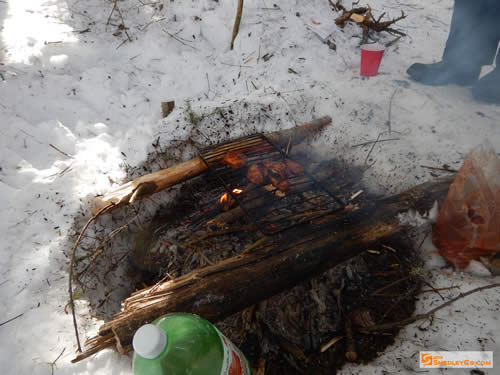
column 225, row 197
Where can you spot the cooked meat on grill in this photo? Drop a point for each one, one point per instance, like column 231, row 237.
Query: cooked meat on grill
column 281, row 184
column 257, row 174
column 294, row 167
column 235, row 159
column 276, row 168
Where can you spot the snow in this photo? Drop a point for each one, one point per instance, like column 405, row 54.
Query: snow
column 67, row 81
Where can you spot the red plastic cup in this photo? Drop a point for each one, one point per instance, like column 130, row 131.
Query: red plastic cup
column 371, row 56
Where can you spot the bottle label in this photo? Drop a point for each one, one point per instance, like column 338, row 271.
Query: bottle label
column 234, row 362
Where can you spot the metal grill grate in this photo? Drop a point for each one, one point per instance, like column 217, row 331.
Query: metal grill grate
column 271, row 210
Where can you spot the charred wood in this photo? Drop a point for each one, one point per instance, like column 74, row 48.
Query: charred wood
column 217, row 291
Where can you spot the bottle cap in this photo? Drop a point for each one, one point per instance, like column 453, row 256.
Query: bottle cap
column 149, row 341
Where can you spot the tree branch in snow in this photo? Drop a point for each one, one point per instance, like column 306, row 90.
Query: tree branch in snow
column 71, row 266
column 364, row 18
column 237, row 21
column 427, row 315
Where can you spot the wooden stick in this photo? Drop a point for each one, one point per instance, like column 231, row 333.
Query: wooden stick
column 237, row 21
column 165, row 178
column 351, row 353
column 11, row 319
column 440, row 169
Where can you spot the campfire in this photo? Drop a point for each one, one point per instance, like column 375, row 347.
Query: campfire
column 253, row 242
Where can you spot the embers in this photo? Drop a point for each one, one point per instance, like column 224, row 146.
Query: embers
column 273, row 191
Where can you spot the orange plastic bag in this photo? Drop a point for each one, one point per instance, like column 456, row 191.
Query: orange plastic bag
column 468, row 224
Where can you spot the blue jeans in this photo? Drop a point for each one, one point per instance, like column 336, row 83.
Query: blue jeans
column 474, row 34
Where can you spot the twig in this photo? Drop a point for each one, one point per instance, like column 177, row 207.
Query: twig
column 254, row 245
column 392, row 42
column 219, row 233
column 423, row 239
column 151, row 22
column 350, row 352
column 380, row 18
column 334, row 6
column 440, row 289
column 96, row 254
column 71, row 265
column 237, row 66
column 53, row 363
column 388, row 286
column 62, row 152
column 122, row 43
column 114, row 265
column 237, row 22
column 99, row 251
column 179, row 40
column 11, row 319
column 123, row 22
column 440, row 169
column 87, row 30
column 427, row 315
column 208, row 84
column 204, row 257
column 112, row 11
column 336, row 339
column 355, row 195
column 370, row 142
column 388, row 123
column 433, row 289
column 373, row 146
column 394, row 31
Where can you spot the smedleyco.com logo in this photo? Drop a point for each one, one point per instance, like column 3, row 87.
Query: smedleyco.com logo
column 456, row 359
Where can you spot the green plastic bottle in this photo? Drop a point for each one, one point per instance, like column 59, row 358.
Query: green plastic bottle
column 185, row 344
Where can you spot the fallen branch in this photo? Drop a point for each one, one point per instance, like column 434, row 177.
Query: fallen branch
column 337, row 6
column 427, row 315
column 364, row 18
column 71, row 266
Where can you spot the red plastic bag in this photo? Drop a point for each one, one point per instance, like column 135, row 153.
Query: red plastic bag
column 468, row 224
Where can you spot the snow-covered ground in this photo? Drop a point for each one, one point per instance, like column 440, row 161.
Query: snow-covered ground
column 79, row 101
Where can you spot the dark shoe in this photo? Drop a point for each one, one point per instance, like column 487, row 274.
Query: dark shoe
column 487, row 89
column 442, row 73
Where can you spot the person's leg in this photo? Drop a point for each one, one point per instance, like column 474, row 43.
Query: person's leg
column 487, row 89
column 470, row 45
column 473, row 39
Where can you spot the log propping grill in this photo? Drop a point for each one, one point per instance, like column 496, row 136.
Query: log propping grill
column 270, row 211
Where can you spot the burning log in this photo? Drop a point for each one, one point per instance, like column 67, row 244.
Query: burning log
column 158, row 181
column 232, row 285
